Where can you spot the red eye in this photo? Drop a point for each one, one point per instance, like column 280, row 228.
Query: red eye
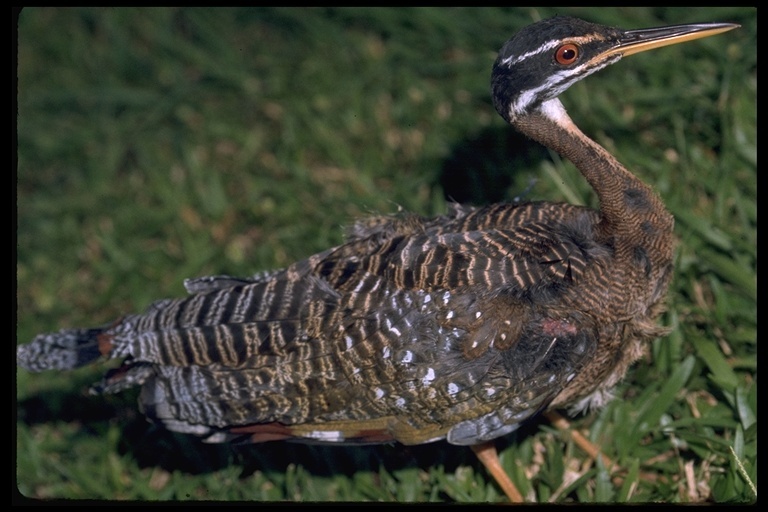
column 567, row 54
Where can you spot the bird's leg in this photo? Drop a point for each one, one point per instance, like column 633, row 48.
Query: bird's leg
column 582, row 442
column 488, row 455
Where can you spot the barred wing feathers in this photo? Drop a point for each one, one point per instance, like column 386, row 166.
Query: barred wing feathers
column 413, row 330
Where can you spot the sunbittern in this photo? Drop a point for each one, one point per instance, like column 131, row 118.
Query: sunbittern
column 458, row 327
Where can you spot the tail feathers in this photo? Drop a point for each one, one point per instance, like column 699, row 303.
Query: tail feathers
column 63, row 350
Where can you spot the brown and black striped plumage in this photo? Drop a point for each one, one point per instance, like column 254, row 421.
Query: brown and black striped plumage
column 415, row 329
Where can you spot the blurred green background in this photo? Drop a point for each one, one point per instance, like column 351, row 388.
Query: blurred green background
column 160, row 144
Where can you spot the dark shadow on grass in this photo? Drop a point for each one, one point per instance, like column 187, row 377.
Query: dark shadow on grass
column 484, row 169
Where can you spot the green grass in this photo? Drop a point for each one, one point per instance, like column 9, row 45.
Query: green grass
column 160, row 144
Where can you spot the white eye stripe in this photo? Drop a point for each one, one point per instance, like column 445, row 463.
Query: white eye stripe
column 549, row 45
column 514, row 59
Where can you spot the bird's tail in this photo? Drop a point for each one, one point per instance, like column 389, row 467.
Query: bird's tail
column 64, row 350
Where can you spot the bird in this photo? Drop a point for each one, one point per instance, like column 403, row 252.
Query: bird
column 459, row 327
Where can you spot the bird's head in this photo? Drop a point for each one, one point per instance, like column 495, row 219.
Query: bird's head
column 544, row 59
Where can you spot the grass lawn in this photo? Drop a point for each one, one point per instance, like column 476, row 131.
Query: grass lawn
column 160, row 144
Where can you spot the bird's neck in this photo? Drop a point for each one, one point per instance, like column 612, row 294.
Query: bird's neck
column 628, row 207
